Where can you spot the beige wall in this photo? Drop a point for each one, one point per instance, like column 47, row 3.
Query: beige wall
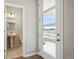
column 68, row 29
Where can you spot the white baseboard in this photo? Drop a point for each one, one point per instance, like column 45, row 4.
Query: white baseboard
column 31, row 54
column 39, row 53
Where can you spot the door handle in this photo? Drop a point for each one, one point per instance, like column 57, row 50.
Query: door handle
column 44, row 43
column 58, row 34
column 58, row 40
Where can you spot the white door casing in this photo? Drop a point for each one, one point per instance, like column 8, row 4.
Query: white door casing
column 5, row 35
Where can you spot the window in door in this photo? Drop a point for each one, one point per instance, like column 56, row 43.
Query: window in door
column 49, row 19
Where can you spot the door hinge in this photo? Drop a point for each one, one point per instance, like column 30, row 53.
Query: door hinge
column 4, row 50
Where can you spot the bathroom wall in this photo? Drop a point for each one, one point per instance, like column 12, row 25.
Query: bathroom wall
column 30, row 25
column 17, row 20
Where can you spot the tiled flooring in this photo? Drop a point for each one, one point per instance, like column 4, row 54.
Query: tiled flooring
column 14, row 52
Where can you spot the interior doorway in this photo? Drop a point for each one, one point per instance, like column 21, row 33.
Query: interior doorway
column 13, row 31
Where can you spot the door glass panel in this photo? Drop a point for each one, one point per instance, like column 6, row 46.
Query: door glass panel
column 10, row 26
column 49, row 27
column 50, row 48
column 49, row 24
column 49, row 18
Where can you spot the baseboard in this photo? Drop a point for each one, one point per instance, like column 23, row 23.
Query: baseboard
column 31, row 54
column 39, row 53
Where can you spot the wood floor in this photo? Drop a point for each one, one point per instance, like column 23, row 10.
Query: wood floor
column 32, row 57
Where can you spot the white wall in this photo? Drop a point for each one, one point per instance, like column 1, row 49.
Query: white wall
column 30, row 35
column 68, row 29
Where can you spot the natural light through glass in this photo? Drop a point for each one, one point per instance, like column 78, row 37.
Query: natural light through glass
column 49, row 27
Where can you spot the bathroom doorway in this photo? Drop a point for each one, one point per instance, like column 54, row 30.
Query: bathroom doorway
column 13, row 31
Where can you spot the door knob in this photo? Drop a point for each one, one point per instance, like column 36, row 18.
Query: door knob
column 44, row 43
column 58, row 40
column 58, row 34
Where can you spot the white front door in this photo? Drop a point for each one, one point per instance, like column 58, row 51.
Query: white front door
column 49, row 12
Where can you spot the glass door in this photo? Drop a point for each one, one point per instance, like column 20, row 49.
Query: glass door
column 50, row 29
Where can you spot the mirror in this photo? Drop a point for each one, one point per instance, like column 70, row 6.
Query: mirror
column 10, row 26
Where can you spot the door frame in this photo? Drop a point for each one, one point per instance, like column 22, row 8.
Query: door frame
column 23, row 27
column 40, row 2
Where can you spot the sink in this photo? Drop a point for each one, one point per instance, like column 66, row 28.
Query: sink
column 11, row 33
